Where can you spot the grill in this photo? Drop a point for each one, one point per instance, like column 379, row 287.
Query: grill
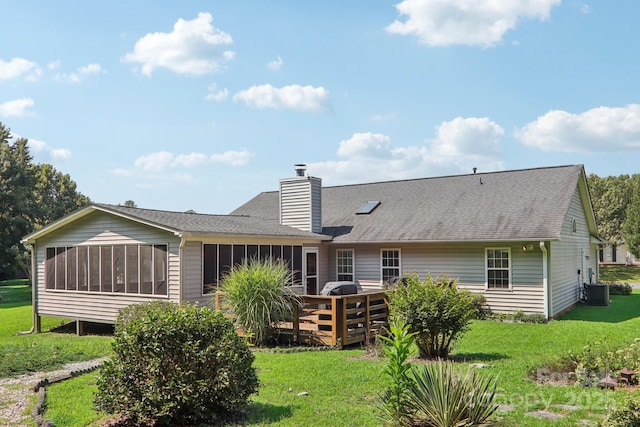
column 339, row 288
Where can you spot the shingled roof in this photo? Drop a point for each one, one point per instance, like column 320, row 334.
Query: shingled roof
column 189, row 223
column 528, row 204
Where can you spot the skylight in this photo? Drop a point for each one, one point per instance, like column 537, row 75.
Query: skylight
column 368, row 207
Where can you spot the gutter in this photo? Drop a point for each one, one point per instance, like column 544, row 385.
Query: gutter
column 545, row 279
column 34, row 293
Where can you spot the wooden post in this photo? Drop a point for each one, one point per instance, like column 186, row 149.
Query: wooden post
column 343, row 321
column 296, row 322
column 79, row 327
column 367, row 319
column 335, row 324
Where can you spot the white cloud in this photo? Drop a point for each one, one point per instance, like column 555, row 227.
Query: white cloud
column 463, row 22
column 233, row 158
column 16, row 108
column 215, row 94
column 42, row 149
column 193, row 47
column 191, row 160
column 161, row 162
column 19, row 67
column 293, row 97
column 155, row 161
column 275, row 65
column 602, row 129
column 82, row 73
column 458, row 146
column 365, row 145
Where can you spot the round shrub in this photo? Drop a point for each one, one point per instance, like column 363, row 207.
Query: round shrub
column 437, row 312
column 175, row 365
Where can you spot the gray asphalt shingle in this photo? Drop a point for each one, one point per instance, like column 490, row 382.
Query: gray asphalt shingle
column 202, row 224
column 526, row 204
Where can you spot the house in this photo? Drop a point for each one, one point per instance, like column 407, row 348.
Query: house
column 617, row 254
column 525, row 239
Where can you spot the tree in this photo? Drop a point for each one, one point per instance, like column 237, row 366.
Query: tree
column 130, row 204
column 610, row 197
column 631, row 230
column 54, row 195
column 16, row 180
column 31, row 196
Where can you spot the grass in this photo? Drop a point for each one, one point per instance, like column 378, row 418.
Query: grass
column 620, row 274
column 342, row 386
column 38, row 352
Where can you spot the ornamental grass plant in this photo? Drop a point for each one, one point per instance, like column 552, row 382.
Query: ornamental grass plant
column 259, row 296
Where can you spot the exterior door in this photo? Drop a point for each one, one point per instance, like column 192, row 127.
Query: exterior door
column 310, row 271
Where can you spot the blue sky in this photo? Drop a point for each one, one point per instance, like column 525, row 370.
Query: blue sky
column 203, row 104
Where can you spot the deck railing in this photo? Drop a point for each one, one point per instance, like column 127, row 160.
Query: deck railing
column 337, row 321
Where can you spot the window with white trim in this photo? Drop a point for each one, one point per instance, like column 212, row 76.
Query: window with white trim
column 390, row 263
column 498, row 268
column 344, row 265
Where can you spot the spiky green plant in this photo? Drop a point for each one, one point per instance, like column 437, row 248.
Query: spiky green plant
column 441, row 398
column 259, row 295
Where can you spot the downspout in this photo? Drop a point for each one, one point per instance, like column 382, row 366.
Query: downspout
column 35, row 327
column 545, row 280
column 181, row 256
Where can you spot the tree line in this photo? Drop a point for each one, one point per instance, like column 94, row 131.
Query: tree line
column 34, row 195
column 31, row 196
column 616, row 205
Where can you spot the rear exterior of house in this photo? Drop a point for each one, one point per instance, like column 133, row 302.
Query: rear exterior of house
column 526, row 240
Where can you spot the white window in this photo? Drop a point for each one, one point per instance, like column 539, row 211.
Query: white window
column 498, row 268
column 390, row 263
column 344, row 265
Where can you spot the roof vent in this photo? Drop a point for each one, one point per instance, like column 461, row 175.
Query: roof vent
column 300, row 169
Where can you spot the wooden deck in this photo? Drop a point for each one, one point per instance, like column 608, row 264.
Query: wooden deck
column 334, row 320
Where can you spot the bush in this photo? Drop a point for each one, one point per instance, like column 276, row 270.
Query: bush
column 439, row 397
column 627, row 415
column 175, row 365
column 435, row 310
column 620, row 288
column 260, row 297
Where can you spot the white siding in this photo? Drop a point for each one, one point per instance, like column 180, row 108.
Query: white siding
column 462, row 262
column 571, row 253
column 101, row 229
column 301, row 203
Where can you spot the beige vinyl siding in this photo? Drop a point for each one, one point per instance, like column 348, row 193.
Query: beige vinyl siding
column 99, row 228
column 192, row 273
column 300, row 203
column 567, row 256
column 462, row 262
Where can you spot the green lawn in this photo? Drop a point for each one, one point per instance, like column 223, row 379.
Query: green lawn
column 38, row 352
column 342, row 386
column 620, row 274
